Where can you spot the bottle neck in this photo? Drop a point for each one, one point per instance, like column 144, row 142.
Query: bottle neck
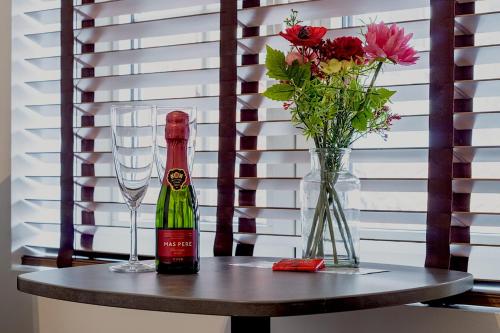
column 330, row 160
column 177, row 158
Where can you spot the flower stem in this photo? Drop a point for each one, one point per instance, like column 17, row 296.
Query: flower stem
column 372, row 83
column 341, row 228
column 329, row 203
column 318, row 237
column 313, row 227
column 375, row 75
column 330, row 189
column 332, row 237
column 344, row 220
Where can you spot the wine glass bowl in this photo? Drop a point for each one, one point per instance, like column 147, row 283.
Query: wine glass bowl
column 133, row 135
column 133, row 168
column 161, row 143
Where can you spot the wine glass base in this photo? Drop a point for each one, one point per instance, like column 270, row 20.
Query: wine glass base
column 133, row 267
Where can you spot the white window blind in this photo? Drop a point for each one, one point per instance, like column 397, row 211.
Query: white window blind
column 149, row 52
column 167, row 53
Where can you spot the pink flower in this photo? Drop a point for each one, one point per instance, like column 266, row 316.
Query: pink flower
column 384, row 42
column 292, row 56
column 286, row 105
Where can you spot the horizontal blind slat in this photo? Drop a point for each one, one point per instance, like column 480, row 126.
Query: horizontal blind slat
column 275, row 156
column 46, row 16
column 191, row 51
column 256, row 183
column 124, row 7
column 258, row 72
column 135, row 56
column 154, row 28
column 478, row 23
column 133, row 81
column 126, row 31
column 257, row 44
column 114, row 8
column 486, row 219
column 477, row 55
column 318, row 9
column 251, row 128
column 476, row 120
column 45, row 209
column 467, row 154
column 477, row 88
column 470, row 185
column 103, row 108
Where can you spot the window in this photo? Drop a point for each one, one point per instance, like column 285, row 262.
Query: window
column 167, row 53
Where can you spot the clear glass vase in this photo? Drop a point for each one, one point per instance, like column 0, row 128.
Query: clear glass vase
column 330, row 201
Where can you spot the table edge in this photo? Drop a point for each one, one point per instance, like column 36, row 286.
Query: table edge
column 247, row 309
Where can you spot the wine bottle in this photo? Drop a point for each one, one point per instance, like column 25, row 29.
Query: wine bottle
column 177, row 217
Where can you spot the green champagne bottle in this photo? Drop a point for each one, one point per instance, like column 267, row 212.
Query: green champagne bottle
column 177, row 216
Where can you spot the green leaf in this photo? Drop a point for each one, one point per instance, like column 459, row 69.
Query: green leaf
column 378, row 98
column 385, row 94
column 279, row 92
column 360, row 121
column 299, row 73
column 275, row 64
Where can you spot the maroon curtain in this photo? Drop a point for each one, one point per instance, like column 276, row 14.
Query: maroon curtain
column 65, row 253
column 223, row 245
column 442, row 202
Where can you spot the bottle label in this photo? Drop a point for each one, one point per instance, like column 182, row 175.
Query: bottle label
column 176, row 244
column 176, row 178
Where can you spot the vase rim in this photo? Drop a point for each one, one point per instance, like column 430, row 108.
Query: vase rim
column 316, row 150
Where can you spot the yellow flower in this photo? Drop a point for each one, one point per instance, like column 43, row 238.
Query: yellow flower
column 331, row 67
column 334, row 66
column 347, row 64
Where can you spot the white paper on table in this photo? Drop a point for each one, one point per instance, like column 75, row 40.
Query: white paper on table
column 256, row 264
column 336, row 270
column 352, row 271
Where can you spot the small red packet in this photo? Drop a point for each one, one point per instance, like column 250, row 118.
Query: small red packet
column 299, row 265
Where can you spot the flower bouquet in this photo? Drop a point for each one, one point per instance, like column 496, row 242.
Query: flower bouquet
column 329, row 88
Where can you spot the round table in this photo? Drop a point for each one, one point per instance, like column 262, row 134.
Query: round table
column 249, row 295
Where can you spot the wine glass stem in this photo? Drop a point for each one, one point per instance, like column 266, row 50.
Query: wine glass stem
column 133, row 235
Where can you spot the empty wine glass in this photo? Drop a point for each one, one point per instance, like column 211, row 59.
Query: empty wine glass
column 133, row 135
column 161, row 143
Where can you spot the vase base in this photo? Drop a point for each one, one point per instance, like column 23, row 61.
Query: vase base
column 340, row 262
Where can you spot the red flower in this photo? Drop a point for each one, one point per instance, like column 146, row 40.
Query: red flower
column 342, row 48
column 348, row 48
column 300, row 35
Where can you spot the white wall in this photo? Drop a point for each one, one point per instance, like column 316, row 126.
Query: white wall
column 16, row 309
column 80, row 318
column 84, row 318
column 407, row 319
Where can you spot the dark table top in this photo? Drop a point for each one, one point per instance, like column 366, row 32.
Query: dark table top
column 223, row 289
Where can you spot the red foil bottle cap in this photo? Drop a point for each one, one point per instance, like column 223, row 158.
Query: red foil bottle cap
column 177, row 126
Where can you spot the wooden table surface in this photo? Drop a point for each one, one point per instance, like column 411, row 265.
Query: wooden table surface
column 224, row 289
